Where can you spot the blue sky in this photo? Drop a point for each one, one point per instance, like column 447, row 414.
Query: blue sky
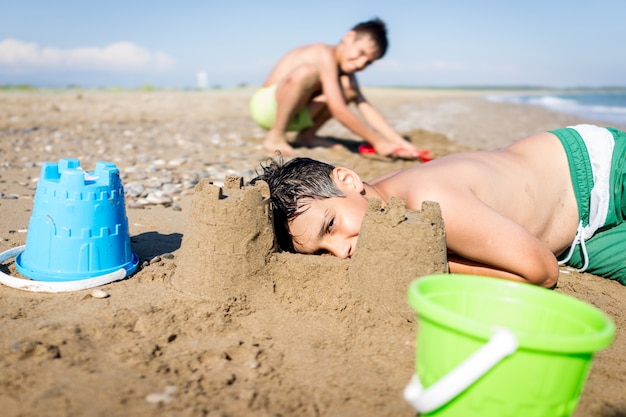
column 432, row 43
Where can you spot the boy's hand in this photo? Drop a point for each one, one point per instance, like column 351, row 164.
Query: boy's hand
column 404, row 153
column 393, row 150
column 388, row 148
column 406, row 150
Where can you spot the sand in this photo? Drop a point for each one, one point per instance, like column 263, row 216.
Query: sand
column 215, row 322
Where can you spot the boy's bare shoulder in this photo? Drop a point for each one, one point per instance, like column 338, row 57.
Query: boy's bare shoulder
column 429, row 182
column 319, row 53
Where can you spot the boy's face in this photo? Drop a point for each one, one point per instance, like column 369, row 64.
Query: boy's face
column 330, row 225
column 358, row 52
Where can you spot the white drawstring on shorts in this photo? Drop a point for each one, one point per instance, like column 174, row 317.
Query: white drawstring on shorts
column 599, row 143
column 579, row 238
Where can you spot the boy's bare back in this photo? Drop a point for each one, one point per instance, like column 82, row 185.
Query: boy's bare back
column 318, row 56
column 324, row 66
column 513, row 207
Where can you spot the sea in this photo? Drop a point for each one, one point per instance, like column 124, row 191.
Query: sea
column 608, row 106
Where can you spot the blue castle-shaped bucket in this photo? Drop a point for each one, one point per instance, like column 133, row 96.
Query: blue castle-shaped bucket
column 78, row 228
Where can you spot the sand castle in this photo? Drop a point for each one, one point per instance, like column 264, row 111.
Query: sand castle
column 229, row 239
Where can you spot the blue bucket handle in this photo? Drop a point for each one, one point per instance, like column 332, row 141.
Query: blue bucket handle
column 54, row 287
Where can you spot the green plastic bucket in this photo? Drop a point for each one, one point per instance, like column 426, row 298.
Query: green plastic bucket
column 491, row 347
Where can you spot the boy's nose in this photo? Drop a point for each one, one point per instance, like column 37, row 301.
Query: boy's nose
column 363, row 63
column 341, row 248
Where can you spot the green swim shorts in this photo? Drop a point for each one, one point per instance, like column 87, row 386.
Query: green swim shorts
column 597, row 161
column 263, row 110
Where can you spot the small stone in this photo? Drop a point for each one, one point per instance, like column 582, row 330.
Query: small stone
column 168, row 394
column 134, row 204
column 159, row 197
column 253, row 364
column 177, row 162
column 97, row 293
column 134, row 189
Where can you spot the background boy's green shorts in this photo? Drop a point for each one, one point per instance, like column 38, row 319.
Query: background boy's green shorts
column 263, row 110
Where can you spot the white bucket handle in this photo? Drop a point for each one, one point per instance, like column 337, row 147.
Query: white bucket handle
column 54, row 287
column 502, row 344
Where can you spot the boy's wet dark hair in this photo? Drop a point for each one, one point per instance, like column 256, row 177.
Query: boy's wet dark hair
column 291, row 184
column 377, row 30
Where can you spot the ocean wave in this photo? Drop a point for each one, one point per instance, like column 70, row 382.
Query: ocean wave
column 602, row 107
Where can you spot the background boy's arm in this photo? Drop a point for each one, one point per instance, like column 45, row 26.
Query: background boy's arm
column 329, row 77
column 375, row 119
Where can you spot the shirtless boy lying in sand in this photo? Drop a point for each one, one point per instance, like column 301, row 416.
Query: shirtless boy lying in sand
column 508, row 213
column 313, row 83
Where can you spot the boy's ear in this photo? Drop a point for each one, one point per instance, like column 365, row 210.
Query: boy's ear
column 349, row 37
column 347, row 180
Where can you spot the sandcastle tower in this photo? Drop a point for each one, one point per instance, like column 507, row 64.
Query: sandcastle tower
column 228, row 240
column 395, row 247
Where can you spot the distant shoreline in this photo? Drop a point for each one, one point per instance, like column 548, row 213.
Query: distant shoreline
column 511, row 88
column 243, row 86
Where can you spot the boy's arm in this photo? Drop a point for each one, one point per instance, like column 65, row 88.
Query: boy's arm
column 329, row 77
column 460, row 265
column 486, row 242
column 375, row 119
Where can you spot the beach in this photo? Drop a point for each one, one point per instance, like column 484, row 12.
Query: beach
column 298, row 343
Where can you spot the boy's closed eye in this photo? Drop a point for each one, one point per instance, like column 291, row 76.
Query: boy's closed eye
column 327, row 226
column 330, row 226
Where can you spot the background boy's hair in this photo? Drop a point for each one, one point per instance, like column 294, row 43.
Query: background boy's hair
column 291, row 184
column 377, row 29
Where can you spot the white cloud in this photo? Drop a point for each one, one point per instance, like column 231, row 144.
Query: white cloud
column 118, row 56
